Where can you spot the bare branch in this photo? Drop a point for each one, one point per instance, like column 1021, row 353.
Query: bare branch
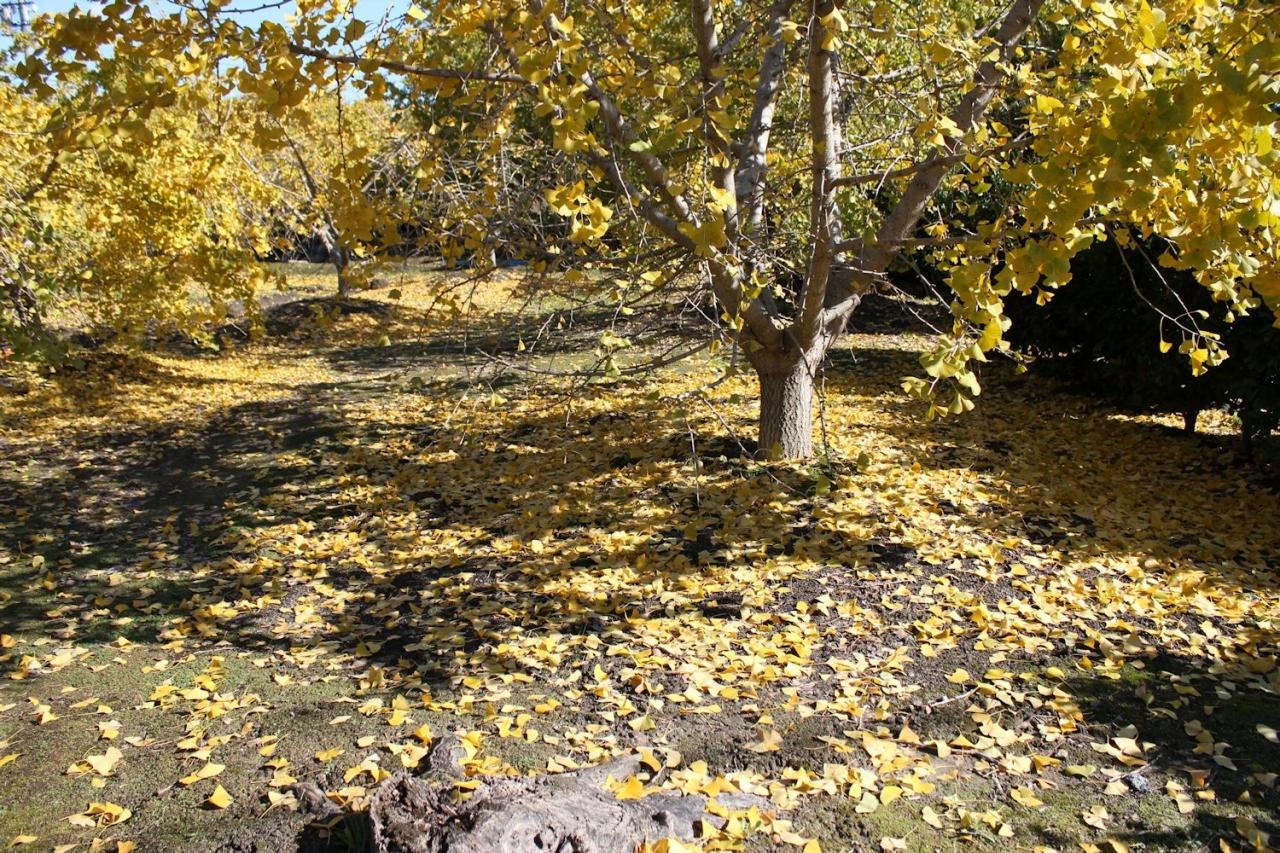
column 404, row 68
column 905, row 171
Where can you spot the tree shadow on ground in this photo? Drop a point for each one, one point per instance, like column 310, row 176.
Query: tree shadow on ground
column 405, row 545
column 569, row 337
column 286, row 318
column 416, row 543
column 198, row 516
column 1059, row 458
column 1200, row 729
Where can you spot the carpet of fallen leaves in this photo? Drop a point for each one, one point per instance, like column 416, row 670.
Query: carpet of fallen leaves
column 1045, row 625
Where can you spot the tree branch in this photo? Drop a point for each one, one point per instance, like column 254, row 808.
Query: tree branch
column 708, row 46
column 824, row 217
column 901, row 221
column 890, row 174
column 751, row 165
column 404, row 68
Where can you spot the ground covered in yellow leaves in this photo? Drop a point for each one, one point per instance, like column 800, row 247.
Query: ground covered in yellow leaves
column 1045, row 625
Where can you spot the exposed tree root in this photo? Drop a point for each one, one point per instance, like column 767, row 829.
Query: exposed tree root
column 555, row 813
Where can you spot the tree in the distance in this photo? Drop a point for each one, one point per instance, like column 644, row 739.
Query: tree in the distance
column 336, row 168
column 128, row 227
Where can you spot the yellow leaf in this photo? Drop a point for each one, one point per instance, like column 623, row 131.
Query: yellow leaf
column 19, row 840
column 649, row 760
column 219, row 799
column 1116, row 788
column 207, row 772
column 562, row 26
column 632, row 789
column 105, row 763
column 1252, row 834
column 1096, row 816
column 889, row 793
column 100, row 814
column 770, row 742
column 1026, row 797
column 990, row 336
column 1047, row 104
column 282, row 779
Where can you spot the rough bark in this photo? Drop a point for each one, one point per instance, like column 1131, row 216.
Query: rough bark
column 557, row 813
column 786, row 410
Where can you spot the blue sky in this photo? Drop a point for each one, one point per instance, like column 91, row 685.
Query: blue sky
column 368, row 10
column 371, row 11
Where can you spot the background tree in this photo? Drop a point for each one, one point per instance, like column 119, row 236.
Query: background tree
column 128, row 222
column 23, row 168
column 1109, row 340
column 338, row 169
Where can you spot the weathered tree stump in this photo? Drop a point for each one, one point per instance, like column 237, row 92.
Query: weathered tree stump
column 555, row 813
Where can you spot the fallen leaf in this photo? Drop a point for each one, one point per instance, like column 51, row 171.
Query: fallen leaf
column 219, row 799
column 208, row 771
column 771, row 741
column 1096, row 816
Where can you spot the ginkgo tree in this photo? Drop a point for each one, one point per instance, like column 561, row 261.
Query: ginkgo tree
column 126, row 226
column 786, row 154
column 336, row 168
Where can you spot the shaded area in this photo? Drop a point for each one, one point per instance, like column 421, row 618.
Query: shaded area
column 1060, row 457
column 205, row 501
column 99, row 510
column 1200, row 733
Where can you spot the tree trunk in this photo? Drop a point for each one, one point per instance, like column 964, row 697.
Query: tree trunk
column 786, row 412
column 338, row 257
column 1189, row 418
column 25, row 306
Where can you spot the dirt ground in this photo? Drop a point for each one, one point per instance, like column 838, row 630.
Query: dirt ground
column 1044, row 625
